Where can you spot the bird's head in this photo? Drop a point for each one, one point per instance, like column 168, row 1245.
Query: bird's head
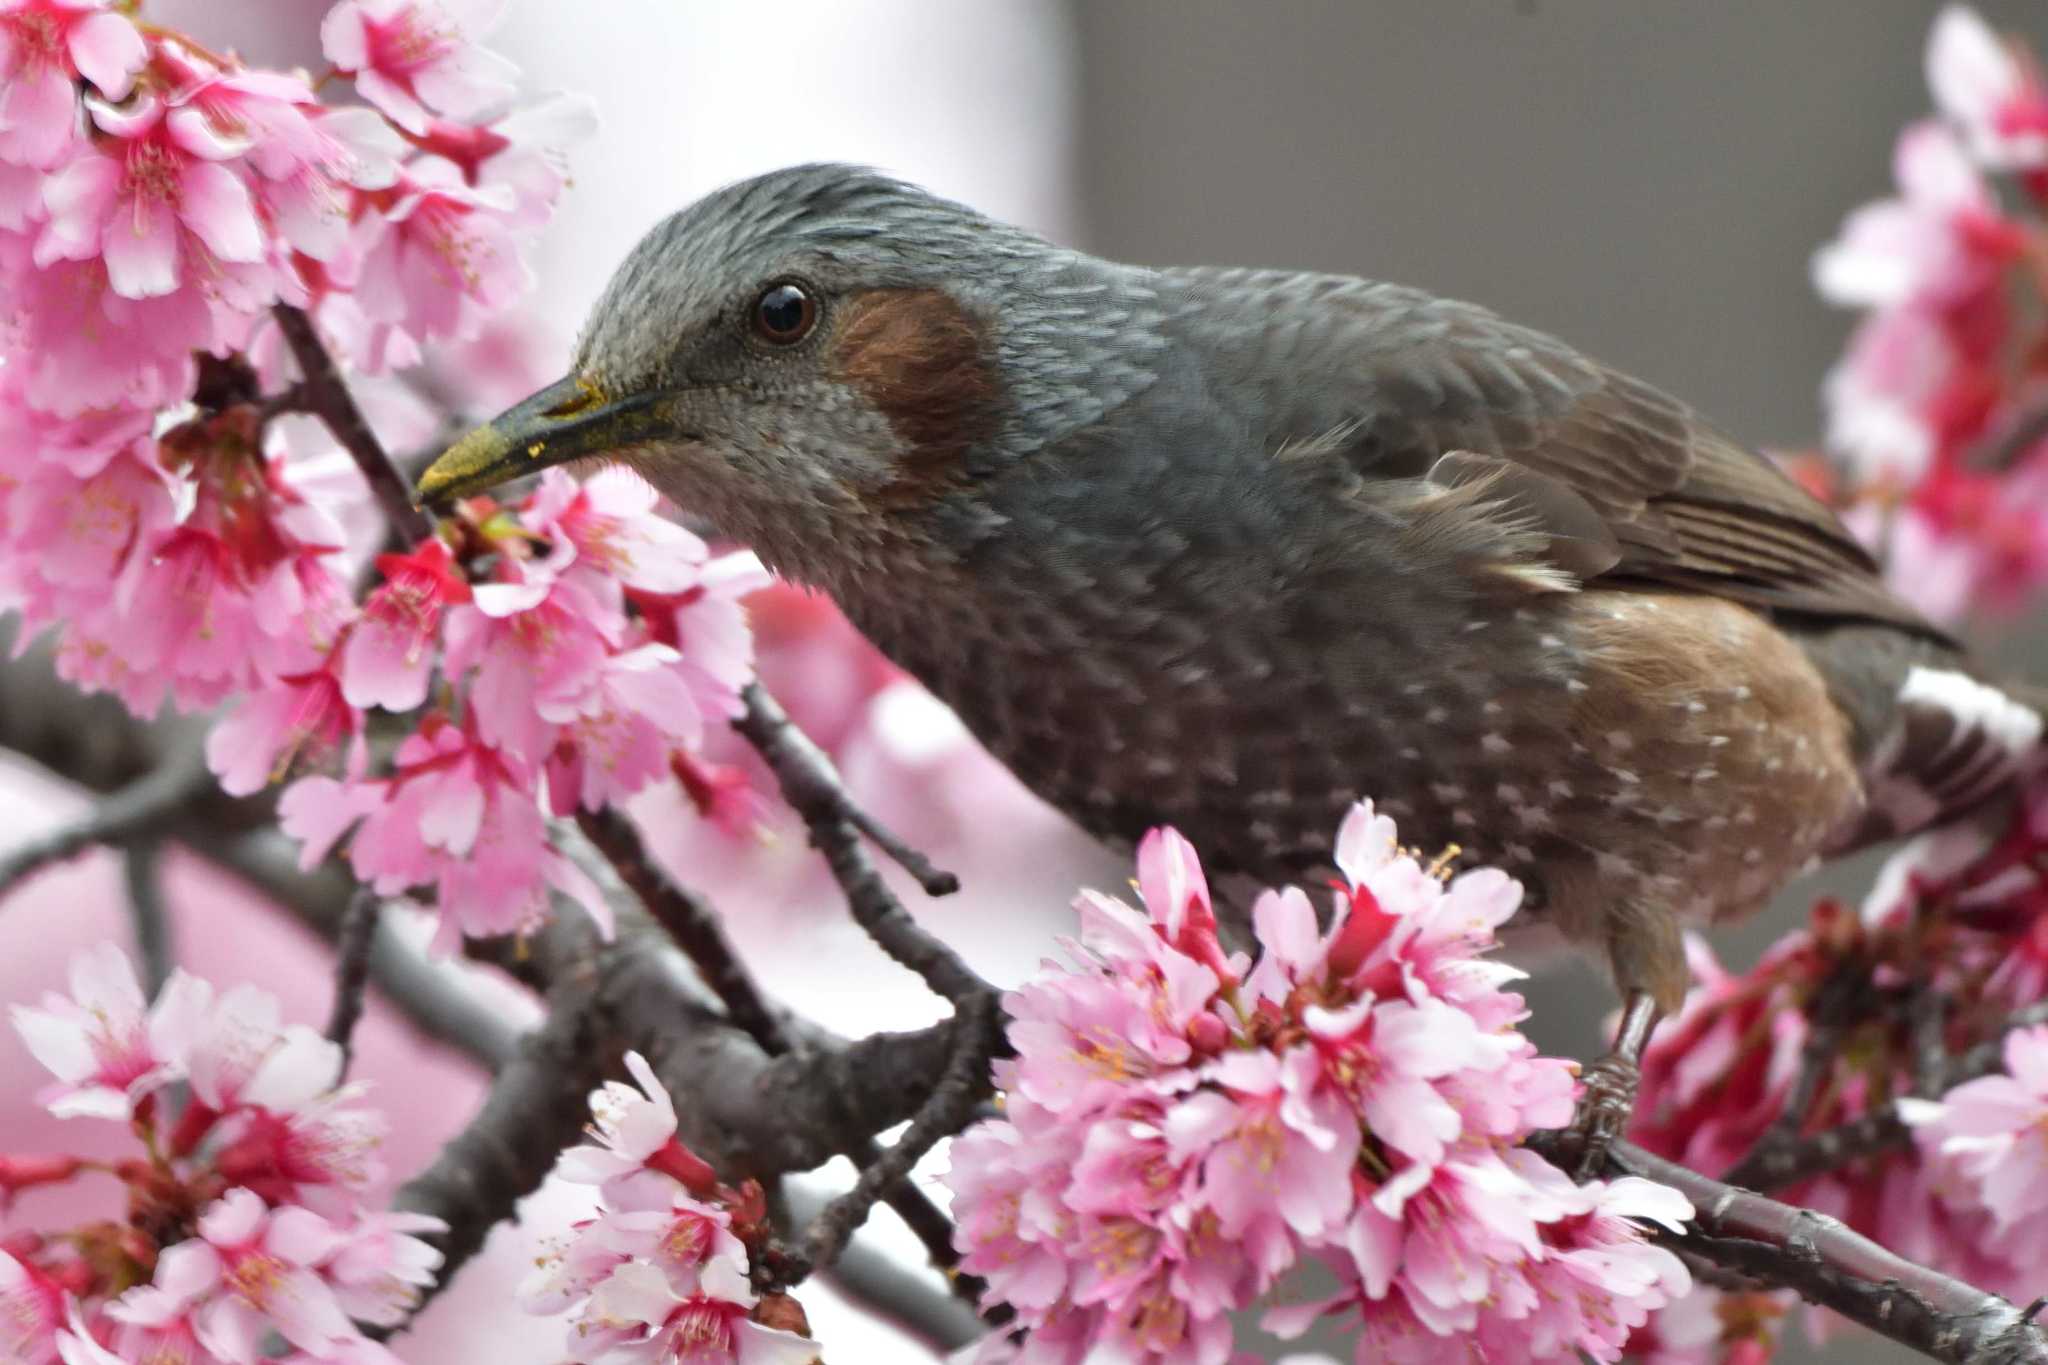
column 807, row 355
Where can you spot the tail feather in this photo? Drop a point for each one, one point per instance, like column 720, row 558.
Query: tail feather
column 1955, row 742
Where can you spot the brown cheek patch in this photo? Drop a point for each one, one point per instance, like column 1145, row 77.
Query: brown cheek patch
column 924, row 363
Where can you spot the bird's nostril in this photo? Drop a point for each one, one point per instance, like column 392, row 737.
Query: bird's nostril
column 585, row 397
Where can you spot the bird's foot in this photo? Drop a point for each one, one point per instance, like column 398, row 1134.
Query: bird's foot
column 1605, row 1107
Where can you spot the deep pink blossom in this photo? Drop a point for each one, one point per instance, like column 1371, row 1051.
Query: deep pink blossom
column 390, row 652
column 295, row 720
column 409, row 56
column 46, row 46
column 32, row 1312
column 457, row 814
column 160, row 203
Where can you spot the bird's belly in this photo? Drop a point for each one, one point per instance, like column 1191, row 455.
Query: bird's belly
column 1608, row 748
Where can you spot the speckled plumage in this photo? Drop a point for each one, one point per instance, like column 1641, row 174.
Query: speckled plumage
column 1193, row 554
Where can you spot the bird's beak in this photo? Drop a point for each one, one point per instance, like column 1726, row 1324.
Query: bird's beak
column 565, row 420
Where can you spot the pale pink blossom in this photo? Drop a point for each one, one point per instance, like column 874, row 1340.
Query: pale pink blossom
column 82, row 345
column 46, row 46
column 1994, row 97
column 1987, row 1141
column 635, row 1128
column 618, row 736
column 107, row 1048
column 636, row 1317
column 250, row 1271
column 242, row 1053
column 1942, row 240
column 538, row 644
column 610, row 522
column 382, row 1268
column 409, row 56
column 1880, row 395
column 304, row 160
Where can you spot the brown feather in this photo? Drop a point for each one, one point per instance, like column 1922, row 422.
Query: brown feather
column 922, row 361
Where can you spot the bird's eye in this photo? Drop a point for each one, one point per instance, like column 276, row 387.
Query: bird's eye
column 784, row 314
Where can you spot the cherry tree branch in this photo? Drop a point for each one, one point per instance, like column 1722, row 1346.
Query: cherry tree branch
column 146, row 804
column 812, row 788
column 323, row 393
column 1829, row 1265
column 142, row 867
column 352, row 970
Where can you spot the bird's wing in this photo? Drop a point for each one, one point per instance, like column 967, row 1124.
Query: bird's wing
column 1404, row 379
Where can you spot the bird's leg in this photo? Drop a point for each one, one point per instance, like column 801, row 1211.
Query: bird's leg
column 1610, row 1095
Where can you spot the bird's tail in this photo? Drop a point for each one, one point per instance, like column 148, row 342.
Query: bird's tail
column 1955, row 742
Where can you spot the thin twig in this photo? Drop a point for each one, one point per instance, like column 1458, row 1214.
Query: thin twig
column 352, row 970
column 1926, row 1021
column 1828, row 1264
column 1829, row 1014
column 1881, row 1130
column 818, row 795
column 812, row 789
column 885, row 1284
column 964, row 1085
column 142, row 872
column 326, row 396
column 144, row 805
column 691, row 922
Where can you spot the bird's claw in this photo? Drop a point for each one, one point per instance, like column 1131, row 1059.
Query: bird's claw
column 1605, row 1107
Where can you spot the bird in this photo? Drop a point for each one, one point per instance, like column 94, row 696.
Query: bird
column 1230, row 549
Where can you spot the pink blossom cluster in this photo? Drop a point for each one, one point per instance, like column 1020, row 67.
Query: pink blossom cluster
column 246, row 1206
column 659, row 1274
column 1957, row 914
column 1928, row 408
column 156, row 198
column 600, row 647
column 1184, row 1126
column 1985, row 1144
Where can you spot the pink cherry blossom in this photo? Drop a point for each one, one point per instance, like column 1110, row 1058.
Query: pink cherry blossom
column 638, row 1318
column 160, row 204
column 408, row 56
column 1942, row 240
column 305, row 160
column 107, row 1049
column 1997, row 101
column 538, row 644
column 295, row 720
column 390, row 652
column 45, row 47
column 1987, row 1140
column 32, row 1311
column 83, row 345
column 617, row 738
column 251, row 1270
column 1183, row 1127
column 456, row 813
column 440, row 260
column 383, row 1267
